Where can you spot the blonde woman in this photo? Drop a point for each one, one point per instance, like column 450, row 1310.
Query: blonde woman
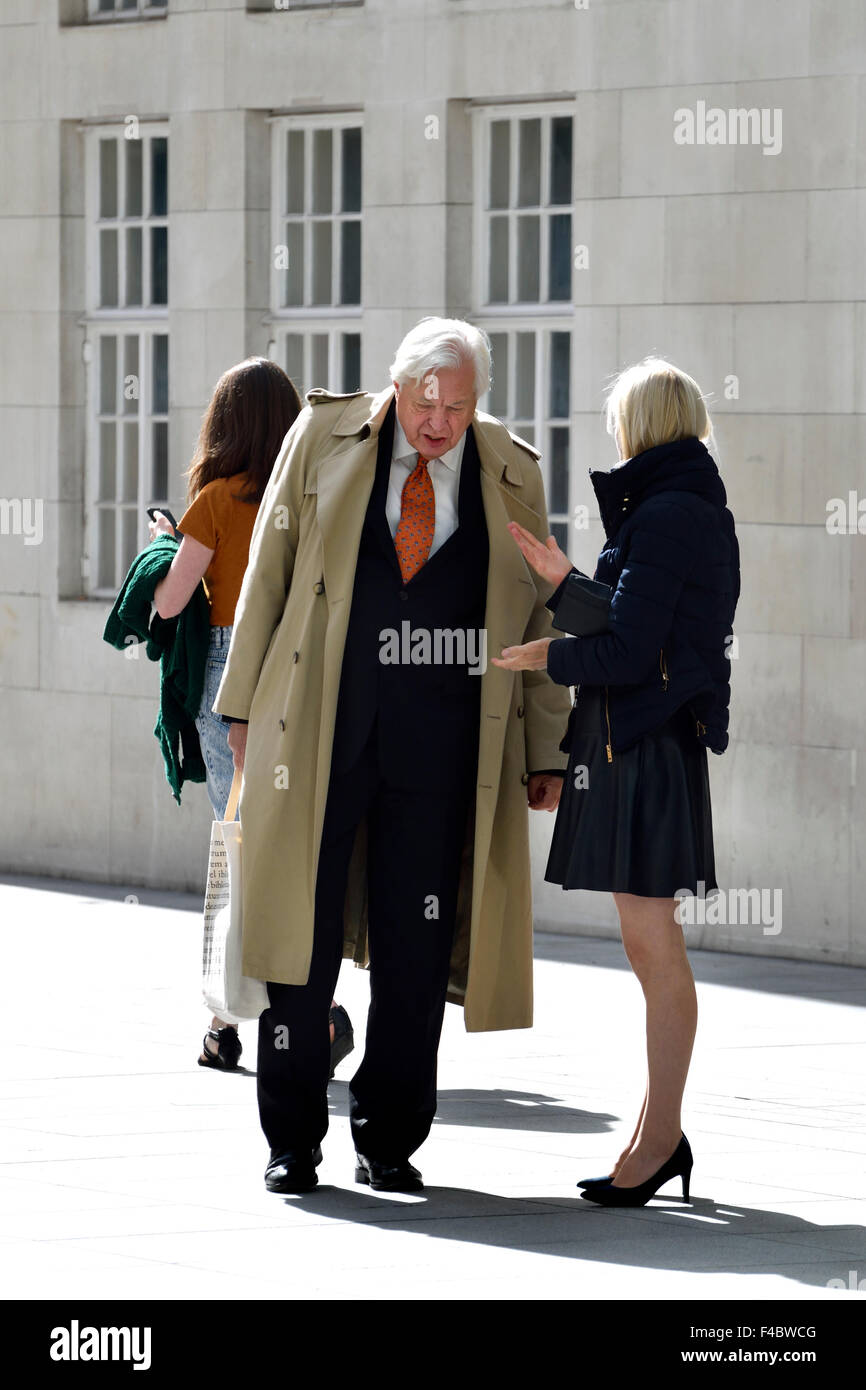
column 653, row 692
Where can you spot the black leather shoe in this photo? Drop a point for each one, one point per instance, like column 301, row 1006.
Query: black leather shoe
column 293, row 1172
column 388, row 1177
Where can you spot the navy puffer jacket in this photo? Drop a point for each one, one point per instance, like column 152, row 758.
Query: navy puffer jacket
column 672, row 558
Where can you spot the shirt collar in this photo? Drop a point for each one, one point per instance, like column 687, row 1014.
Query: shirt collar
column 403, row 449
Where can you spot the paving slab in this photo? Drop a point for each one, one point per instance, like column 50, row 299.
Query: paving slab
column 128, row 1172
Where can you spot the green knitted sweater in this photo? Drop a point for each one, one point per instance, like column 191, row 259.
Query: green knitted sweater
column 179, row 644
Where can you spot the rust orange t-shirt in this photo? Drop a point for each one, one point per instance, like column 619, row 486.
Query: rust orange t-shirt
column 221, row 520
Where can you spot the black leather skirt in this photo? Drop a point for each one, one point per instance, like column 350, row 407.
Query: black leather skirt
column 641, row 823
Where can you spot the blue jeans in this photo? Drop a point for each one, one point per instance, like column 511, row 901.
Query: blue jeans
column 212, row 732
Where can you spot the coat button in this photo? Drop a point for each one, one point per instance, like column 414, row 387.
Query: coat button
column 318, row 588
column 525, row 779
column 403, row 594
column 282, row 725
column 295, row 656
column 519, row 711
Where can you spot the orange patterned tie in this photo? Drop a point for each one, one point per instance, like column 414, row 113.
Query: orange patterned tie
column 414, row 535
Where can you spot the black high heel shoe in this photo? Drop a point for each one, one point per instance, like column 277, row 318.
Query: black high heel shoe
column 595, row 1182
column 679, row 1165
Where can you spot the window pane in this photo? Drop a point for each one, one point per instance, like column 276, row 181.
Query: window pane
column 560, row 159
column 159, row 265
column 323, row 170
column 133, row 266
column 107, row 461
column 159, row 473
column 351, row 362
column 559, row 531
column 497, row 401
column 560, row 369
column 130, row 537
column 108, row 178
column 295, row 171
column 107, row 268
column 352, row 169
column 160, row 378
column 525, row 392
column 130, row 461
column 528, row 267
column 526, row 432
column 293, row 276
column 106, row 579
column 295, row 360
column 107, row 375
column 558, row 496
column 159, row 176
column 319, row 360
column 350, row 265
column 134, row 203
column 322, row 262
column 131, row 375
column 529, row 164
column 500, row 163
column 560, row 256
column 498, row 279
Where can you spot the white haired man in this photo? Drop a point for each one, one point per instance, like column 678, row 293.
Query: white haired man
column 387, row 767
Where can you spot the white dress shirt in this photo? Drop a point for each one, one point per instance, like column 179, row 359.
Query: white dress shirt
column 444, row 475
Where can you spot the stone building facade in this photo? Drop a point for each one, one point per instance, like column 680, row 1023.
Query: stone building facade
column 185, row 183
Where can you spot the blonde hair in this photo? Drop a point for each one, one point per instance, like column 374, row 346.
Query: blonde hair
column 654, row 403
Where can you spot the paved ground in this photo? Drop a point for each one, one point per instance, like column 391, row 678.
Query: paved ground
column 129, row 1172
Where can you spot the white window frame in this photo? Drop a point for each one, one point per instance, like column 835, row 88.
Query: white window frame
column 542, row 420
column 144, row 9
column 483, row 118
column 333, row 329
column 334, row 121
column 144, row 322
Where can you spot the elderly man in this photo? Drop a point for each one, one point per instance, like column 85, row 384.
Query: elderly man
column 387, row 768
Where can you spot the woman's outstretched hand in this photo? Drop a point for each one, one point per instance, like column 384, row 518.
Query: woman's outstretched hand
column 545, row 557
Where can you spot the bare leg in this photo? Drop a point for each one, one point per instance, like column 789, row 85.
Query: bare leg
column 633, row 1140
column 655, row 947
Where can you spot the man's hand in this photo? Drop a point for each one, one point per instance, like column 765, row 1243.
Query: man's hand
column 543, row 791
column 532, row 656
column 238, row 744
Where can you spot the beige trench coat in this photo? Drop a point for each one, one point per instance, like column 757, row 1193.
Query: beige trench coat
column 283, row 675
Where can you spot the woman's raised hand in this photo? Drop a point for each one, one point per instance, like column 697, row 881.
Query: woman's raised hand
column 545, row 557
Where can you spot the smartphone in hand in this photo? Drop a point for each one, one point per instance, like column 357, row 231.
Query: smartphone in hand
column 151, row 511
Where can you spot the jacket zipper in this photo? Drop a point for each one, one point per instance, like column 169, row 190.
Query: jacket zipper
column 663, row 667
column 608, row 748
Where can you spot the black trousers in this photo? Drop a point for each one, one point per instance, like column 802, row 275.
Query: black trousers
column 414, row 849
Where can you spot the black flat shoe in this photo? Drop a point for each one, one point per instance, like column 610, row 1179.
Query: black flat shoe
column 679, row 1165
column 293, row 1172
column 344, row 1037
column 388, row 1177
column 228, row 1051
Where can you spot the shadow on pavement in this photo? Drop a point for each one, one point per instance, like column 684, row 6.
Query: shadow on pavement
column 703, row 1237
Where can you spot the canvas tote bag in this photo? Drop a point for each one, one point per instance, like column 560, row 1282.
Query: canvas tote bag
column 233, row 997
